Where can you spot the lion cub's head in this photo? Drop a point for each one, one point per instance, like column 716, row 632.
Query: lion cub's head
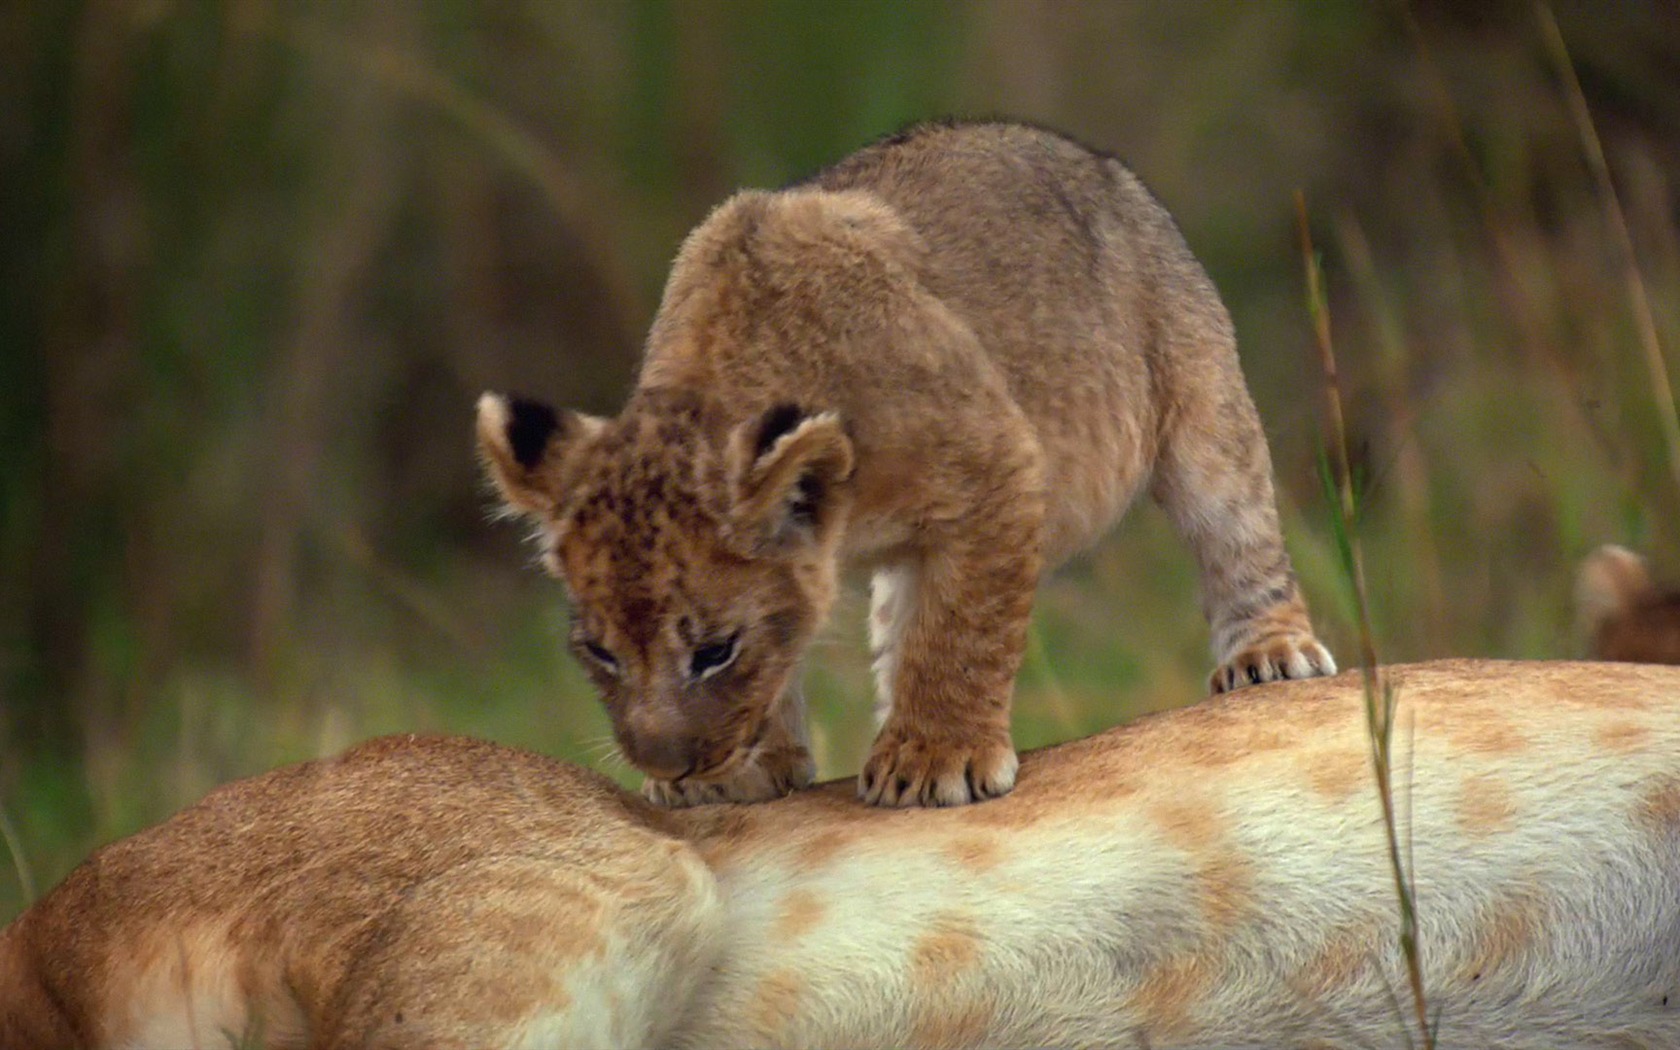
column 699, row 554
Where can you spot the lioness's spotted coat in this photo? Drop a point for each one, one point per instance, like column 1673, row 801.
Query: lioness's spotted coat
column 1214, row 878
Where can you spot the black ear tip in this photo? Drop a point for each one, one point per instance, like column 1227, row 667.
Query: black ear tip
column 777, row 421
column 530, row 425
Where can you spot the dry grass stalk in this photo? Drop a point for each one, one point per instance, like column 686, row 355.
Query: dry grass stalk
column 1639, row 302
column 1379, row 695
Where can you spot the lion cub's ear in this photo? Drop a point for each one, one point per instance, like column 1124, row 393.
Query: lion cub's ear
column 524, row 444
column 784, row 469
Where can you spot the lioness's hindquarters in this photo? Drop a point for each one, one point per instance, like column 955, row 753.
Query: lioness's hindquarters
column 953, row 358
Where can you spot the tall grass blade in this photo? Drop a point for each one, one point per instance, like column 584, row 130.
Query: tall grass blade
column 20, row 863
column 1379, row 693
column 1639, row 302
column 1038, row 662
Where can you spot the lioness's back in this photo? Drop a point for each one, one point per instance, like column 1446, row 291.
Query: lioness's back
column 1209, row 877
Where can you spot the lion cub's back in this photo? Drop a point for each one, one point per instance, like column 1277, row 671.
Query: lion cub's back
column 1034, row 233
column 1076, row 281
column 1005, row 201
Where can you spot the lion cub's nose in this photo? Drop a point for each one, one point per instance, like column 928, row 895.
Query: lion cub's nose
column 656, row 743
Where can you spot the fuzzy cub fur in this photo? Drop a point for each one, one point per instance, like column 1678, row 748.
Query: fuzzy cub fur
column 953, row 359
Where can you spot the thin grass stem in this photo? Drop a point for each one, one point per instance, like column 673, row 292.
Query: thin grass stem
column 20, row 863
column 1639, row 302
column 1379, row 693
column 408, row 75
column 1516, row 304
column 1410, row 459
column 1056, row 699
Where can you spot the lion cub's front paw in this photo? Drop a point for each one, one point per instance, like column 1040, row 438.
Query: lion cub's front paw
column 905, row 770
column 764, row 776
column 1272, row 659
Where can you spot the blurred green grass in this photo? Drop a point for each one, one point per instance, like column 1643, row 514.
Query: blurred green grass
column 259, row 259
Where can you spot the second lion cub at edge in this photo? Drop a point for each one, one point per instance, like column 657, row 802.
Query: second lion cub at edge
column 953, row 359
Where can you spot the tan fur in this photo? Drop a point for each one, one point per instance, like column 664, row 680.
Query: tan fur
column 443, row 893
column 953, row 359
column 1625, row 615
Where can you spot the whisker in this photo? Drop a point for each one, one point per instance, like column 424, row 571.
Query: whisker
column 600, row 747
column 603, row 752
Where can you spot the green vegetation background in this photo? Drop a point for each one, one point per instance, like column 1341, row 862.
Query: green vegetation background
column 261, row 256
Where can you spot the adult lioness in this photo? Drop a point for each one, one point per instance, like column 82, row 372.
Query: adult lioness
column 1214, row 877
column 953, row 358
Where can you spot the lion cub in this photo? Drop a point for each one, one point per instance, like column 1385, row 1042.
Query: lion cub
column 953, row 359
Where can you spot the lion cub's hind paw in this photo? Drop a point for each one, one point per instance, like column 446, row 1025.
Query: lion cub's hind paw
column 1272, row 660
column 909, row 772
column 766, row 776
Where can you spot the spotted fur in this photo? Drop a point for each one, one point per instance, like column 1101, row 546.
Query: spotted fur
column 1214, row 878
column 953, row 359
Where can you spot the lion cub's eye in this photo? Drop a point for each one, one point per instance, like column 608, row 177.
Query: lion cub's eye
column 600, row 655
column 710, row 659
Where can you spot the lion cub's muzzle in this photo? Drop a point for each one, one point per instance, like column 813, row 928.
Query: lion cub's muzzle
column 765, row 763
column 660, row 746
column 668, row 746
